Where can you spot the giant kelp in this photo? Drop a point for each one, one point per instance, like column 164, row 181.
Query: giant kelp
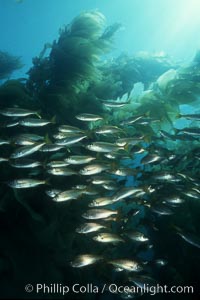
column 164, row 97
column 8, row 64
column 77, row 73
column 14, row 92
column 66, row 77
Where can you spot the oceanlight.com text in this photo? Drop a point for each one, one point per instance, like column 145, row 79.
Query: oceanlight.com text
column 152, row 290
column 61, row 289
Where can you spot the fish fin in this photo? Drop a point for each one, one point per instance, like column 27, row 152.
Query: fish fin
column 129, row 100
column 127, row 149
column 47, row 181
column 117, row 269
column 38, row 114
column 178, row 116
column 47, row 139
column 106, row 119
column 119, row 214
column 147, row 139
column 89, row 133
column 176, row 131
column 147, row 113
column 12, row 143
column 109, row 226
column 175, row 228
column 53, row 120
column 114, row 165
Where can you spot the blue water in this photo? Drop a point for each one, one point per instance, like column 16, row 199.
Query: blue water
column 150, row 25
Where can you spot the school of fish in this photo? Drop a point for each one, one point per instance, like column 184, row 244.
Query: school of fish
column 102, row 157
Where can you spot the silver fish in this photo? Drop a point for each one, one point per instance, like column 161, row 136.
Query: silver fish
column 25, row 163
column 142, row 281
column 25, row 183
column 190, row 116
column 131, row 120
column 93, row 169
column 103, row 147
column 126, row 264
column 151, row 158
column 79, row 159
column 67, row 195
column 174, row 200
column 57, row 164
column 4, row 142
column 9, row 124
column 53, row 192
column 89, row 227
column 88, row 117
column 31, row 122
column 114, row 104
column 100, row 180
column 137, row 236
column 85, row 260
column 108, row 130
column 71, row 140
column 162, row 210
column 27, row 139
column 3, row 159
column 95, row 214
column 17, row 112
column 122, row 142
column 126, row 192
column 69, row 129
column 50, row 148
column 191, row 239
column 122, row 172
column 61, row 171
column 106, row 237
column 26, row 150
column 103, row 201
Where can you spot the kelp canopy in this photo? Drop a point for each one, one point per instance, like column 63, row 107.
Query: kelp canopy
column 66, row 77
column 79, row 72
